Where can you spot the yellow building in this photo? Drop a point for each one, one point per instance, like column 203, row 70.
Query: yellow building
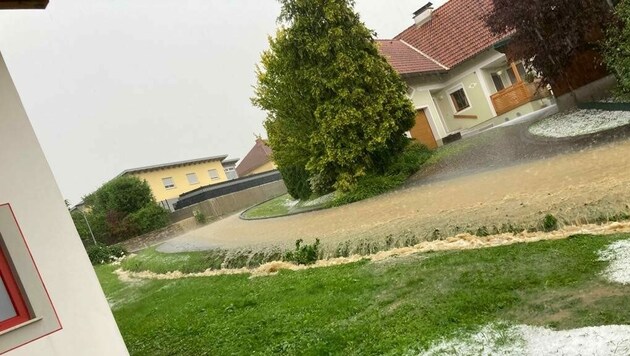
column 168, row 181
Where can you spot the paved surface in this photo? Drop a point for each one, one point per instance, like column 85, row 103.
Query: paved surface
column 507, row 146
column 502, row 176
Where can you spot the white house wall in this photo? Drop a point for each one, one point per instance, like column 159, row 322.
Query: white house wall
column 475, row 82
column 423, row 101
column 88, row 327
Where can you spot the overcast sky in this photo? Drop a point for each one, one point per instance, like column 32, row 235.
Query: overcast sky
column 116, row 84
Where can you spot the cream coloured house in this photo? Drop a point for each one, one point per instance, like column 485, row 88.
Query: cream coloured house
column 51, row 302
column 459, row 80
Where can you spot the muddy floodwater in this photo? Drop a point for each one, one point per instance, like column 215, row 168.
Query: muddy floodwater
column 579, row 187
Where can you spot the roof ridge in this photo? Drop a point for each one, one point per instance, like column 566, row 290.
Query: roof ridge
column 424, row 54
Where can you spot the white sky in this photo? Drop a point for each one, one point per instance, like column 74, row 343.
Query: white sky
column 116, row 84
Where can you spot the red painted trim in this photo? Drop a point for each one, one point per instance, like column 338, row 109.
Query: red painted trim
column 39, row 275
column 22, row 314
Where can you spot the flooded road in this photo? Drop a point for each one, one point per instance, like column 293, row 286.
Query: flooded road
column 576, row 187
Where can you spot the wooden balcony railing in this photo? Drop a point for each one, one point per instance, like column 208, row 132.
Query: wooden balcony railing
column 516, row 95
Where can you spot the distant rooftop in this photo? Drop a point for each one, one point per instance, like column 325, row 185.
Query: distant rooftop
column 173, row 164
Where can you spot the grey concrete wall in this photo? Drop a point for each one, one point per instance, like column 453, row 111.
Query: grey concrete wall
column 155, row 237
column 594, row 91
column 231, row 203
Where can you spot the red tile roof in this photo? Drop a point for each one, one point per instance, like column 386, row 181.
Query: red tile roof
column 406, row 59
column 256, row 157
column 455, row 33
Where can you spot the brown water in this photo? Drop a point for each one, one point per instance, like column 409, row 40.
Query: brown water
column 577, row 188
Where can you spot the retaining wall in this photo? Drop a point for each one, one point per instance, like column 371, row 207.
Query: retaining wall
column 231, row 203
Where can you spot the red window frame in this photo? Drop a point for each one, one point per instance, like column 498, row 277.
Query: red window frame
column 15, row 295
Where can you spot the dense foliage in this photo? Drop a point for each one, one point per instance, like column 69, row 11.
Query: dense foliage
column 547, row 34
column 120, row 209
column 304, row 254
column 371, row 185
column 336, row 108
column 100, row 253
column 617, row 47
column 296, row 178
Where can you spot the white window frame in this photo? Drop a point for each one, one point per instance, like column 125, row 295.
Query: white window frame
column 169, row 186
column 215, row 171
column 450, row 98
column 193, row 175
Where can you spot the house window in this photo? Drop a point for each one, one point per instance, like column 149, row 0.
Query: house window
column 510, row 73
column 214, row 174
column 498, row 82
column 26, row 311
column 168, row 183
column 192, row 178
column 13, row 310
column 460, row 101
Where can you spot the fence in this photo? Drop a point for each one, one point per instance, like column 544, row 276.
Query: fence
column 233, row 202
column 216, row 190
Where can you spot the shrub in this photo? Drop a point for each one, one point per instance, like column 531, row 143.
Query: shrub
column 410, row 161
column 304, row 254
column 550, row 223
column 371, row 185
column 100, row 253
column 296, row 179
column 617, row 47
column 149, row 218
column 200, row 217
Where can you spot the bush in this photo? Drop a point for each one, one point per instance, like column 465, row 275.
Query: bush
column 304, row 254
column 149, row 218
column 371, row 185
column 100, row 253
column 617, row 47
column 411, row 159
column 550, row 223
column 296, row 179
column 200, row 217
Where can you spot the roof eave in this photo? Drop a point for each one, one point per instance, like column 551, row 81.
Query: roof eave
column 23, row 4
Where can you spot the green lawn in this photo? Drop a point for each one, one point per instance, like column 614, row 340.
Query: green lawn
column 391, row 307
column 285, row 205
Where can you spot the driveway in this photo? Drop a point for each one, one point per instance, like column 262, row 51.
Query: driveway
column 505, row 146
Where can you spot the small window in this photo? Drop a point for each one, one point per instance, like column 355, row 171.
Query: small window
column 213, row 173
column 510, row 73
column 168, row 183
column 521, row 70
column 498, row 82
column 192, row 178
column 13, row 310
column 460, row 101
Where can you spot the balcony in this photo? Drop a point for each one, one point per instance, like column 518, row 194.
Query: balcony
column 516, row 95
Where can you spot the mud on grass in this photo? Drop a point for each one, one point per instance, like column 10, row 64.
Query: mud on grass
column 400, row 306
column 150, row 260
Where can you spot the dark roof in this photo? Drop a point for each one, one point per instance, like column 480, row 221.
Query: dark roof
column 406, row 59
column 22, row 4
column 173, row 164
column 256, row 157
column 455, row 32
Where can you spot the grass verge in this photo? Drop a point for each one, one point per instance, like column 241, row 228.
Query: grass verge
column 392, row 307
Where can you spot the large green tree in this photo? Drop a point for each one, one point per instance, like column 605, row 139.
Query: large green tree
column 335, row 107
